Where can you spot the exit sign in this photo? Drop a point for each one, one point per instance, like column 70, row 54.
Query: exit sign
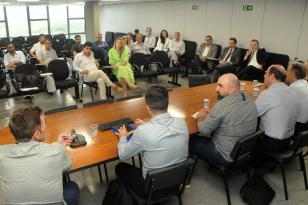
column 195, row 7
column 247, row 7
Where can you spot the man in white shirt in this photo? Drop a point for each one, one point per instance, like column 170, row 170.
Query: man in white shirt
column 176, row 48
column 13, row 58
column 46, row 54
column 254, row 62
column 296, row 78
column 38, row 46
column 85, row 63
column 150, row 40
column 277, row 108
column 139, row 46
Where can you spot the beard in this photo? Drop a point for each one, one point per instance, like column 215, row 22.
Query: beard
column 219, row 97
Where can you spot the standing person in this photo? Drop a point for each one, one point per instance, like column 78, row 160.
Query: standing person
column 38, row 46
column 163, row 42
column 31, row 171
column 118, row 59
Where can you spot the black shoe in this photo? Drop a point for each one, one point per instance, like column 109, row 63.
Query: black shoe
column 50, row 93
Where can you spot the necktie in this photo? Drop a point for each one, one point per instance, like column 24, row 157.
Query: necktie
column 251, row 57
column 229, row 54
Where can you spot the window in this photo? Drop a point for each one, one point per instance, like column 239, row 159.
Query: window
column 1, row 13
column 17, row 19
column 38, row 27
column 58, row 19
column 38, row 12
column 76, row 11
column 77, row 26
column 2, row 30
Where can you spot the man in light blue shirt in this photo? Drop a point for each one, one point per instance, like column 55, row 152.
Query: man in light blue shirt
column 277, row 108
column 296, row 78
column 163, row 141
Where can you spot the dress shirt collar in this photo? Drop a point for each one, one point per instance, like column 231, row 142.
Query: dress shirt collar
column 299, row 83
column 160, row 116
column 277, row 85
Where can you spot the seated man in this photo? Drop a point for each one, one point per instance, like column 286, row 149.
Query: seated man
column 206, row 50
column 254, row 61
column 277, row 108
column 139, row 46
column 233, row 117
column 176, row 49
column 101, row 48
column 31, row 171
column 163, row 141
column 150, row 40
column 85, row 63
column 229, row 60
column 296, row 77
column 46, row 54
column 38, row 46
column 77, row 48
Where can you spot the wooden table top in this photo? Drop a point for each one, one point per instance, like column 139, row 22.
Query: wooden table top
column 183, row 103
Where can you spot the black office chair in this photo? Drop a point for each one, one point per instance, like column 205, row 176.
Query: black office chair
column 97, row 102
column 95, row 86
column 19, row 42
column 277, row 58
column 109, row 38
column 3, row 42
column 60, row 109
column 139, row 59
column 240, row 154
column 197, row 80
column 32, row 40
column 219, row 48
column 118, row 34
column 4, row 83
column 161, row 60
column 189, row 55
column 60, row 71
column 161, row 184
column 67, row 47
column 284, row 158
column 128, row 98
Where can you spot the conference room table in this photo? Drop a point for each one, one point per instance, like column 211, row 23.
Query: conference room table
column 103, row 148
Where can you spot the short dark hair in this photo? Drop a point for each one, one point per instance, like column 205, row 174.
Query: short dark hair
column 273, row 70
column 24, row 122
column 9, row 43
column 209, row 36
column 77, row 36
column 41, row 35
column 87, row 44
column 157, row 98
column 298, row 70
column 136, row 30
column 233, row 39
column 255, row 40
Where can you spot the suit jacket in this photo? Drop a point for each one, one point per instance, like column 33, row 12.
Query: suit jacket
column 212, row 53
column 235, row 56
column 262, row 57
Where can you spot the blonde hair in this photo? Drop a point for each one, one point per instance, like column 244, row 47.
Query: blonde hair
column 122, row 45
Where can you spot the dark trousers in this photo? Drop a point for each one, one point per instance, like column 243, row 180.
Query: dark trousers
column 131, row 177
column 206, row 150
column 199, row 65
column 222, row 69
column 299, row 127
column 251, row 73
column 70, row 193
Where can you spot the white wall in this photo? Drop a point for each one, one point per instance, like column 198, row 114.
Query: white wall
column 280, row 25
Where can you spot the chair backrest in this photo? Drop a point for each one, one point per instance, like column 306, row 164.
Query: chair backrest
column 218, row 50
column 3, row 42
column 57, row 45
column 61, row 109
column 128, row 98
column 109, row 37
column 68, row 43
column 166, row 177
column 138, row 59
column 190, row 50
column 300, row 140
column 277, row 58
column 161, row 57
column 59, row 69
column 118, row 34
column 32, row 40
column 97, row 102
column 245, row 146
column 25, row 69
column 197, row 80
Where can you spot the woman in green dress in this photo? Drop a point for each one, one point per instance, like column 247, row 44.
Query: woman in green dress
column 118, row 59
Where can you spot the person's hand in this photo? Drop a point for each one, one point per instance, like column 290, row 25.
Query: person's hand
column 65, row 139
column 84, row 71
column 139, row 122
column 202, row 113
column 123, row 132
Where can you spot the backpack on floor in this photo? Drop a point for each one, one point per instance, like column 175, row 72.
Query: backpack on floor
column 117, row 194
column 256, row 191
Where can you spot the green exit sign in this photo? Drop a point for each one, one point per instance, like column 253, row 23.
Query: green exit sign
column 247, row 7
column 195, row 7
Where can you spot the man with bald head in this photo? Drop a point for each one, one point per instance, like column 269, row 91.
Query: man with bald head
column 277, row 108
column 233, row 117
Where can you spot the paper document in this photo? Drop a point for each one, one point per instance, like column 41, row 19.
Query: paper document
column 29, row 89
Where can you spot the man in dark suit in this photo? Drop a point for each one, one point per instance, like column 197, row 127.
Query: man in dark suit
column 254, row 61
column 229, row 60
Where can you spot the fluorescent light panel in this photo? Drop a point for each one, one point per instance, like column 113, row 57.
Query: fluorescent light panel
column 28, row 0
